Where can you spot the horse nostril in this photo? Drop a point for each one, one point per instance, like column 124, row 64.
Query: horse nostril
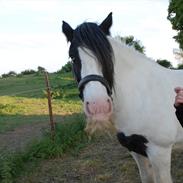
column 87, row 103
column 108, row 100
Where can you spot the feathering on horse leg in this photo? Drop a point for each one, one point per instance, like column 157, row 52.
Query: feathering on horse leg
column 145, row 168
column 160, row 158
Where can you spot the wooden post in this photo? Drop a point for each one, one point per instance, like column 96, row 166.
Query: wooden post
column 52, row 124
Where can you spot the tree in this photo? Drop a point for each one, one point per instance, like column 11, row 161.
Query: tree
column 175, row 15
column 4, row 75
column 41, row 69
column 67, row 67
column 9, row 74
column 12, row 73
column 180, row 66
column 130, row 40
column 165, row 63
column 28, row 71
column 178, row 55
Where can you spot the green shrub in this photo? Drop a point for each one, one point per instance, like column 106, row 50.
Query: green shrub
column 180, row 66
column 68, row 90
column 9, row 74
column 27, row 72
column 66, row 68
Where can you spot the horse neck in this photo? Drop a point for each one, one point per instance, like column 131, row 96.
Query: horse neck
column 134, row 71
column 127, row 59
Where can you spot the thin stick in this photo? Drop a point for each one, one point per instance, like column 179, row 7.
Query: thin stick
column 52, row 124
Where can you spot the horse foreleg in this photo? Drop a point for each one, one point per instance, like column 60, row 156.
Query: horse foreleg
column 145, row 168
column 160, row 158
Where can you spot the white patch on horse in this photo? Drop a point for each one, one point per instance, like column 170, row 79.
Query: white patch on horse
column 90, row 65
column 95, row 95
column 144, row 96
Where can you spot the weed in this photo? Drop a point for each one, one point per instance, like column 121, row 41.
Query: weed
column 69, row 137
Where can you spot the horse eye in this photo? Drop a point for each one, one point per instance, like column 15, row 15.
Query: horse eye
column 72, row 59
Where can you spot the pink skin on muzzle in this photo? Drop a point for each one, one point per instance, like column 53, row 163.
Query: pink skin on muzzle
column 99, row 109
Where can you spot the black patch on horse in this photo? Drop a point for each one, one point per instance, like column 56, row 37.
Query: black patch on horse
column 90, row 36
column 179, row 113
column 135, row 143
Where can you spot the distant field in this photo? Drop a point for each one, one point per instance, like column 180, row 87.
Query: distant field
column 32, row 86
column 23, row 99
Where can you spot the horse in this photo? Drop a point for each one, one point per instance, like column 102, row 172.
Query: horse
column 129, row 92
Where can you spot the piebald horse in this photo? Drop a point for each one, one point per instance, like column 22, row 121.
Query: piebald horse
column 122, row 88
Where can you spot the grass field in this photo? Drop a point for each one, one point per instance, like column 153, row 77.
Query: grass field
column 23, row 99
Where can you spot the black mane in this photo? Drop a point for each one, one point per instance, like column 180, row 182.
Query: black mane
column 89, row 35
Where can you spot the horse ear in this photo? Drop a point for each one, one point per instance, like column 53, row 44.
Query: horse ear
column 67, row 30
column 106, row 24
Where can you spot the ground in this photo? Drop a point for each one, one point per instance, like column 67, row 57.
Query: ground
column 16, row 139
column 103, row 161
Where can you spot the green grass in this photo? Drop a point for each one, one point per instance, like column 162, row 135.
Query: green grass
column 23, row 99
column 15, row 111
column 22, row 86
column 33, row 86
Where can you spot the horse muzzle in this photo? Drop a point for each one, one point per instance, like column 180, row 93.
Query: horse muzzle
column 100, row 109
column 98, row 106
column 99, row 116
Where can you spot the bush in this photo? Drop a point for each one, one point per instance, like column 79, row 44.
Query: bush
column 41, row 69
column 180, row 66
column 27, row 72
column 66, row 68
column 9, row 74
column 61, row 91
column 4, row 75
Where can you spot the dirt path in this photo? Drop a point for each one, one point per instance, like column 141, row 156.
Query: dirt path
column 17, row 139
column 104, row 161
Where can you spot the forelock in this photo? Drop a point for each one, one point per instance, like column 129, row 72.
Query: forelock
column 90, row 36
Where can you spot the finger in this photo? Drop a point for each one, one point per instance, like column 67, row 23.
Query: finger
column 178, row 89
column 179, row 97
column 178, row 100
column 177, row 103
column 180, row 93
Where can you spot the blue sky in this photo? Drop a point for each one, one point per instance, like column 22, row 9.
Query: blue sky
column 30, row 30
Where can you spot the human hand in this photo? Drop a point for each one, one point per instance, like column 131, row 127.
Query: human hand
column 179, row 96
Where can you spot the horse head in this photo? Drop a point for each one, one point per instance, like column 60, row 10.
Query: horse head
column 92, row 61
